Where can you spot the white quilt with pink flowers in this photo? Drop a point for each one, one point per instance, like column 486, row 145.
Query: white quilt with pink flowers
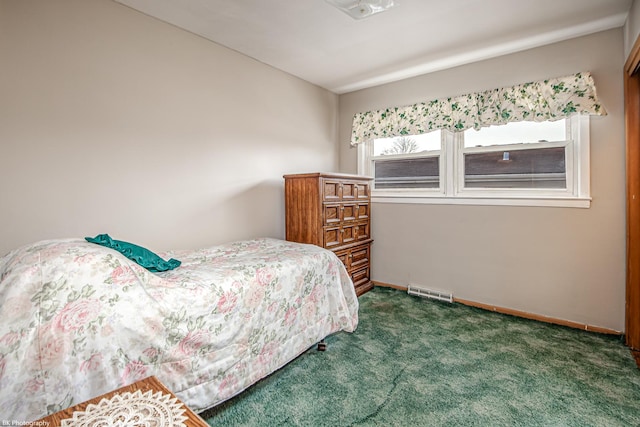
column 78, row 320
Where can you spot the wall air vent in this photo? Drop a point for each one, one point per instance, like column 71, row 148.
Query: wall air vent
column 429, row 293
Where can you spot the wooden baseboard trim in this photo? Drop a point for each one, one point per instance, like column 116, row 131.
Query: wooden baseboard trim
column 518, row 313
column 389, row 285
column 636, row 356
column 539, row 317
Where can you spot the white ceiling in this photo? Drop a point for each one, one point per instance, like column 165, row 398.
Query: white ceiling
column 313, row 40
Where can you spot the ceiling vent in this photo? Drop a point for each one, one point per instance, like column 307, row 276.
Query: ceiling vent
column 359, row 9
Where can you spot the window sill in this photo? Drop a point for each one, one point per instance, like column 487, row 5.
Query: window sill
column 563, row 202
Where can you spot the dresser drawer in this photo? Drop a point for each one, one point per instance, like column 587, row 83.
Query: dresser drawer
column 359, row 257
column 349, row 190
column 361, row 277
column 332, row 236
column 362, row 230
column 332, row 213
column 350, row 211
column 331, row 190
column 355, row 258
column 341, row 212
column 344, row 257
column 362, row 190
column 362, row 211
column 349, row 233
column 344, row 190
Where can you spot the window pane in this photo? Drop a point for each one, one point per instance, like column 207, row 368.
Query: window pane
column 408, row 173
column 516, row 133
column 407, row 144
column 534, row 168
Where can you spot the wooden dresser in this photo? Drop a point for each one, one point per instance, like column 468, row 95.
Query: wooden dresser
column 333, row 211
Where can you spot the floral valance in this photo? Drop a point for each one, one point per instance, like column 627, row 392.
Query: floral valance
column 550, row 99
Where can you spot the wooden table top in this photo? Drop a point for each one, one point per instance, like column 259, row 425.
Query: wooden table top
column 150, row 383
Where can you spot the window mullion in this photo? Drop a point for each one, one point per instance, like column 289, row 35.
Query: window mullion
column 365, row 158
column 447, row 164
column 457, row 144
column 580, row 136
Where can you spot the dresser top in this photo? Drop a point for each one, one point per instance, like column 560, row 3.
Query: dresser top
column 327, row 175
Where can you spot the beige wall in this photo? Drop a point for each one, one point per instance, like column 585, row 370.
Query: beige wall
column 114, row 122
column 631, row 27
column 567, row 263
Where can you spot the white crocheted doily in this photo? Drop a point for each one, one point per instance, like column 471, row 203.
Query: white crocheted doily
column 130, row 410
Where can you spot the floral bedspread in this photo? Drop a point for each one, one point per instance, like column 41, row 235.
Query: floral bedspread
column 78, row 320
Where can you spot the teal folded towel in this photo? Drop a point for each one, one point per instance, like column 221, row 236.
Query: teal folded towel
column 142, row 256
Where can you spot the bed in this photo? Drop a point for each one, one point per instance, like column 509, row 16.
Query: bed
column 78, row 320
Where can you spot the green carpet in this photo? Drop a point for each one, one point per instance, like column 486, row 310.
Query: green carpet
column 415, row 362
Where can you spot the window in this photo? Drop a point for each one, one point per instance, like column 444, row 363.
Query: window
column 520, row 163
column 408, row 161
column 516, row 155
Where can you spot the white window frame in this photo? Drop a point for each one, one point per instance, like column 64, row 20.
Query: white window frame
column 452, row 191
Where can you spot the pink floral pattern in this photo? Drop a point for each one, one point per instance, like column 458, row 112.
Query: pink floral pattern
column 3, row 364
column 10, row 339
column 193, row 342
column 227, row 302
column 76, row 314
column 78, row 320
column 134, row 371
column 92, row 364
column 122, row 275
column 50, row 350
